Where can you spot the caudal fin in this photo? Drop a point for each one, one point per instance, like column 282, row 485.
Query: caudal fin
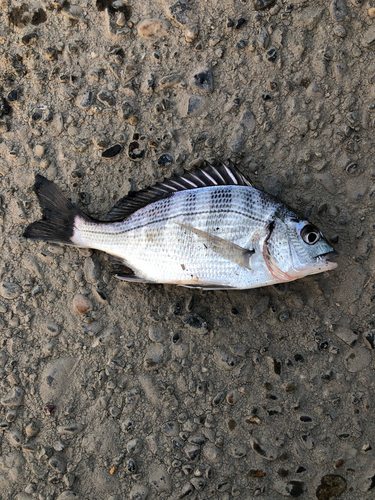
column 57, row 224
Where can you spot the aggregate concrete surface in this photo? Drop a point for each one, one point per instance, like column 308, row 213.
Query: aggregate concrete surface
column 116, row 391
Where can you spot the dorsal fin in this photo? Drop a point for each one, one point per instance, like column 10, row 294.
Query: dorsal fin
column 219, row 175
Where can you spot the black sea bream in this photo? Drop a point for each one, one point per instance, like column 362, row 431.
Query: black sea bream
column 209, row 229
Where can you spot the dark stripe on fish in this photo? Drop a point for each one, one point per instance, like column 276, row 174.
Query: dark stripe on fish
column 86, row 230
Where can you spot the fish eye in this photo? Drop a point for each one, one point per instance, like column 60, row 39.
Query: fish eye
column 310, row 234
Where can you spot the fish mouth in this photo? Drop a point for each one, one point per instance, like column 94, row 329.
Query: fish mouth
column 329, row 255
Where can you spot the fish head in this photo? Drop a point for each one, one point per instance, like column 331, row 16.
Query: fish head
column 296, row 248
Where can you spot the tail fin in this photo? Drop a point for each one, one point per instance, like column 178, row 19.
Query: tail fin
column 57, row 224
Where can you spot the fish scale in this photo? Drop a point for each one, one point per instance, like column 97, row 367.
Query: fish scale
column 209, row 228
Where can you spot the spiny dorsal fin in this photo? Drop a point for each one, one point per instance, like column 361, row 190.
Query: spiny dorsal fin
column 219, row 175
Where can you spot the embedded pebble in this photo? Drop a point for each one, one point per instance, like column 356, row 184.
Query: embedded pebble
column 337, row 10
column 170, row 428
column 339, row 30
column 81, row 304
column 331, row 486
column 346, row 335
column 112, row 151
column 57, row 463
column 368, row 39
column 106, row 97
column 369, row 339
column 13, row 398
column 211, row 453
column 357, row 359
column 156, row 332
column 156, row 355
column 152, row 28
column 192, row 106
column 71, row 429
column 196, row 323
column 9, row 291
column 134, row 446
column 263, row 4
column 203, row 80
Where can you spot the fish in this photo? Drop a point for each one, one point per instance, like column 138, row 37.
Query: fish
column 209, row 229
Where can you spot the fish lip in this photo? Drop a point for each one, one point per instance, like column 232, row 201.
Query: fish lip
column 329, row 255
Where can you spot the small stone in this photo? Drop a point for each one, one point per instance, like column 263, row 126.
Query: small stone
column 13, row 398
column 156, row 355
column 192, row 106
column 165, row 159
column 31, row 429
column 339, row 30
column 13, row 95
column 371, row 12
column 156, row 333
column 263, row 4
column 39, row 150
column 57, row 464
column 346, row 335
column 86, row 101
column 191, row 33
column 331, row 486
column 203, row 80
column 74, row 12
column 9, row 291
column 81, row 304
column 263, row 450
column 271, row 56
column 179, row 12
column 131, row 466
column 337, row 10
column 30, row 38
column 241, row 44
column 71, row 429
column 192, row 452
column 368, row 40
column 106, row 98
column 196, row 322
column 263, row 38
column 357, row 359
column 134, row 446
column 147, row 85
column 170, row 80
column 112, row 151
column 369, row 339
column 170, row 429
column 211, row 453
column 152, row 28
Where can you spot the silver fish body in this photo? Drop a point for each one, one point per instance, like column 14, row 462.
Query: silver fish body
column 215, row 236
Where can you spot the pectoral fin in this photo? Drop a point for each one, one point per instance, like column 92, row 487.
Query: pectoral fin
column 227, row 249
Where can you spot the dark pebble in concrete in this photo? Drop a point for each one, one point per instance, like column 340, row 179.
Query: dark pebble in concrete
column 112, row 151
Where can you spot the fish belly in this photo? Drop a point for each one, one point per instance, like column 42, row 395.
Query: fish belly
column 156, row 243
